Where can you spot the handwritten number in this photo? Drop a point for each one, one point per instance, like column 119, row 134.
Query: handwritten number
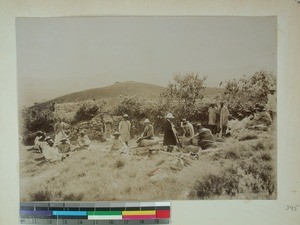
column 292, row 207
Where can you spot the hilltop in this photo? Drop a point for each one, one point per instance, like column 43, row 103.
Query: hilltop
column 128, row 88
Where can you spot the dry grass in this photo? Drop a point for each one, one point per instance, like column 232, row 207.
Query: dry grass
column 239, row 170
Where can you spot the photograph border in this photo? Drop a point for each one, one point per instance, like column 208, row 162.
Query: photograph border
column 208, row 212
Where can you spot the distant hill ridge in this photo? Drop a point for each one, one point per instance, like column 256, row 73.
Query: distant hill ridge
column 128, row 88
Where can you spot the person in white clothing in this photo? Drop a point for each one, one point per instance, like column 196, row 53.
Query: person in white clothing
column 124, row 129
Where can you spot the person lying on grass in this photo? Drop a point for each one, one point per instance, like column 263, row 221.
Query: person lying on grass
column 51, row 153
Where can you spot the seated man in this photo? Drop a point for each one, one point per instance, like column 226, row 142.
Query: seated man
column 83, row 140
column 38, row 140
column 50, row 152
column 187, row 127
column 118, row 144
column 147, row 134
column 203, row 137
column 261, row 118
column 64, row 146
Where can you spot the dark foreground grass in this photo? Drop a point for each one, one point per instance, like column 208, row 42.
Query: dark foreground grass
column 249, row 168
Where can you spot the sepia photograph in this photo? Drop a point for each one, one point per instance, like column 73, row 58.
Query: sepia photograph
column 147, row 108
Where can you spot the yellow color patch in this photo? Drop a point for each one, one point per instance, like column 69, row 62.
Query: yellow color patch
column 133, row 213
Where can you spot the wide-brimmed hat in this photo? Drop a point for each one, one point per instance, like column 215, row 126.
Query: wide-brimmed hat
column 47, row 138
column 146, row 121
column 82, row 132
column 170, row 116
column 260, row 108
column 183, row 120
column 125, row 115
column 64, row 139
column 39, row 132
column 116, row 133
column 199, row 125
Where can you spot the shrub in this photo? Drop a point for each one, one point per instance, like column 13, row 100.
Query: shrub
column 43, row 195
column 35, row 119
column 243, row 94
column 266, row 156
column 73, row 197
column 119, row 164
column 86, row 112
column 226, row 182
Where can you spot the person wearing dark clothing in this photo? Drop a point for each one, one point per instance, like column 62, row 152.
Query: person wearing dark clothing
column 170, row 134
column 204, row 137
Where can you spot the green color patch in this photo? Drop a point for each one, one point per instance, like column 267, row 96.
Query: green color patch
column 104, row 213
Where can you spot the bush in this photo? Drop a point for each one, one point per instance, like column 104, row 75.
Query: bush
column 86, row 112
column 35, row 119
column 226, row 182
column 242, row 95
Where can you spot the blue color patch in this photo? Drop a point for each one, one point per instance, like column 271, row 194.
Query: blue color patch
column 69, row 213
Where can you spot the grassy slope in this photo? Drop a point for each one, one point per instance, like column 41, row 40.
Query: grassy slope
column 238, row 170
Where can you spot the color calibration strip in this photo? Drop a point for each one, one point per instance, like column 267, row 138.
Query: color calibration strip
column 97, row 211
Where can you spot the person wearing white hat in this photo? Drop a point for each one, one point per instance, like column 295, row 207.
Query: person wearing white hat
column 83, row 139
column 170, row 134
column 118, row 145
column 148, row 132
column 50, row 152
column 124, row 129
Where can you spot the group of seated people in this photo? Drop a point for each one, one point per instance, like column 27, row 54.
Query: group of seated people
column 58, row 150
column 260, row 120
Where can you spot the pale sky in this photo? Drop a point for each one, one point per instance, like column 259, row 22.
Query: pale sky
column 57, row 56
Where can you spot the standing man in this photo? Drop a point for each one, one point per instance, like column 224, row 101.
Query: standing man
column 170, row 134
column 59, row 130
column 212, row 118
column 271, row 104
column 188, row 129
column 102, row 129
column 124, row 129
column 224, row 113
column 148, row 132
